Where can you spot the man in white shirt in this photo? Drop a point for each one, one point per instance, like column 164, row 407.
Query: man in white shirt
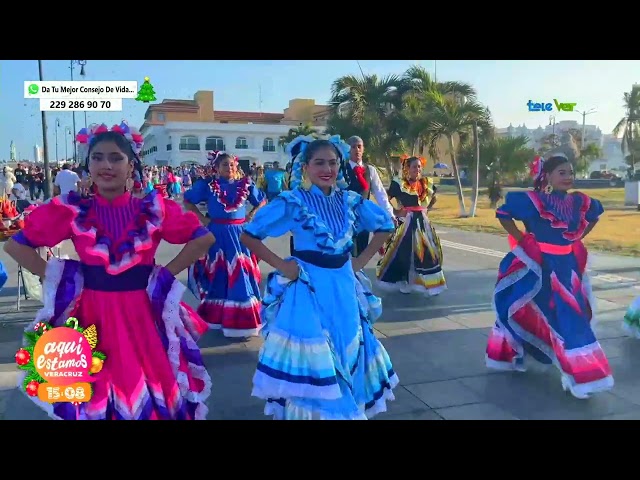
column 66, row 181
column 364, row 179
column 19, row 193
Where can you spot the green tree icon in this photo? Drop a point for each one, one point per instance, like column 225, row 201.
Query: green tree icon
column 146, row 93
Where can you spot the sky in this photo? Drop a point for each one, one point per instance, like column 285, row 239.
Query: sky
column 505, row 86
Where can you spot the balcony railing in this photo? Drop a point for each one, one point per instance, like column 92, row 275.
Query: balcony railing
column 269, row 148
column 189, row 147
column 217, row 147
column 243, row 146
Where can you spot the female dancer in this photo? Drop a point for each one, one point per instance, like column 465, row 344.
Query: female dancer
column 153, row 368
column 413, row 256
column 320, row 359
column 543, row 298
column 228, row 278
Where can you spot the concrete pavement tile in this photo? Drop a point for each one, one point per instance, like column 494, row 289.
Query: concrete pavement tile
column 629, row 391
column 378, row 333
column 618, row 347
column 635, row 415
column 621, row 296
column 19, row 407
column 404, row 402
column 625, row 369
column 425, row 414
column 438, row 325
column 610, row 329
column 538, row 395
column 412, row 373
column 397, row 331
column 475, row 411
column 475, row 320
column 4, row 401
column 448, row 393
column 603, row 305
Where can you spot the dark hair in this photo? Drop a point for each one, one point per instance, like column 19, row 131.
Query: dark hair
column 65, row 166
column 410, row 160
column 548, row 166
column 316, row 145
column 122, row 143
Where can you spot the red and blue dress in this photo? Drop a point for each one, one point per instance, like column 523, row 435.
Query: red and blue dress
column 227, row 279
column 543, row 298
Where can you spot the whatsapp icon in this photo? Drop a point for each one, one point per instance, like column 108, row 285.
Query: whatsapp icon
column 33, row 89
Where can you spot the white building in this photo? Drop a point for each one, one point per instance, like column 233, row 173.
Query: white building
column 175, row 143
column 37, row 154
column 183, row 131
column 593, row 134
column 613, row 159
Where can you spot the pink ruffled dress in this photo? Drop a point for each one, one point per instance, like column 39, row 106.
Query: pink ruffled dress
column 154, row 369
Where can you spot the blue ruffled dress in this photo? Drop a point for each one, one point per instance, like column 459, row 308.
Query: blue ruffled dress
column 320, row 359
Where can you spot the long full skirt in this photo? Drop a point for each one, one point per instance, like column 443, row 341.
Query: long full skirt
column 544, row 309
column 227, row 282
column 153, row 368
column 320, row 358
column 413, row 258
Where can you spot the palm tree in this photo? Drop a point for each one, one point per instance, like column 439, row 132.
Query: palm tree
column 303, row 129
column 449, row 117
column 502, row 158
column 368, row 107
column 417, row 84
column 629, row 125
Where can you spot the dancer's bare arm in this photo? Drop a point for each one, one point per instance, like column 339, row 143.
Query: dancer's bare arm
column 26, row 257
column 289, row 268
column 367, row 254
column 587, row 230
column 194, row 208
column 511, row 228
column 191, row 252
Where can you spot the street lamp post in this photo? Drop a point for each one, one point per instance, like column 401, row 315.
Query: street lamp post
column 67, row 131
column 45, row 146
column 584, row 122
column 82, row 63
column 57, row 126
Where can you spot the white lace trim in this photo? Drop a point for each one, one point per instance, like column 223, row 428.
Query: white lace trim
column 174, row 327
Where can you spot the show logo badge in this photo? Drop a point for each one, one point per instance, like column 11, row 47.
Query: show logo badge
column 60, row 362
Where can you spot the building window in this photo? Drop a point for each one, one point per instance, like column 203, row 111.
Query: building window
column 241, row 143
column 161, row 117
column 268, row 145
column 189, row 142
column 214, row 143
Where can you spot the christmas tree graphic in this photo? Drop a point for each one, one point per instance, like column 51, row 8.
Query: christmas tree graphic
column 146, row 93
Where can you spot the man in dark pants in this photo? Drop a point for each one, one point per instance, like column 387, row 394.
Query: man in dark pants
column 365, row 180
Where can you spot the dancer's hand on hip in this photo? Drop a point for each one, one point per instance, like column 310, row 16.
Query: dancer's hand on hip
column 291, row 270
column 358, row 264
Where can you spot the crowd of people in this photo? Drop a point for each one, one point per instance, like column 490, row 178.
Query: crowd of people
column 320, row 358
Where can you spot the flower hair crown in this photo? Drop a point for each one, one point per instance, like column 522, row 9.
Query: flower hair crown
column 405, row 157
column 86, row 135
column 213, row 155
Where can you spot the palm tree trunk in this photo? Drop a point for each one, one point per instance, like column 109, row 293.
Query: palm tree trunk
column 454, row 165
column 476, row 176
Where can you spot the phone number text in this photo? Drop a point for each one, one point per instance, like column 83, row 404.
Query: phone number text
column 114, row 104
